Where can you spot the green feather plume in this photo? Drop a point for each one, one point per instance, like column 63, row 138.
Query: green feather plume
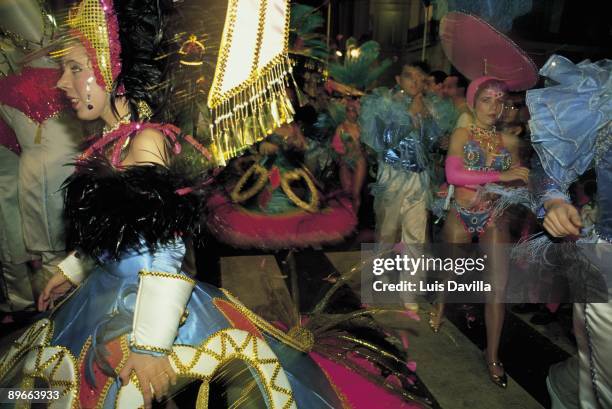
column 360, row 67
column 305, row 21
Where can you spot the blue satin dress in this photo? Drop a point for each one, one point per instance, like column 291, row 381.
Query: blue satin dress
column 101, row 309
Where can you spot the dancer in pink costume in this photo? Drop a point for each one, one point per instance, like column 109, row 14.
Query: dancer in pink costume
column 479, row 156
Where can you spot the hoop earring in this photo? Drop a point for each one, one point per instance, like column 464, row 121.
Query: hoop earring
column 88, row 89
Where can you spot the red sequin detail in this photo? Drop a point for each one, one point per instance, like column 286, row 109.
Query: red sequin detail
column 93, row 57
column 8, row 138
column 34, row 92
column 112, row 29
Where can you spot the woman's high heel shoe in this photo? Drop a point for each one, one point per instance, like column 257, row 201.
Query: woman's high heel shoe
column 499, row 380
column 435, row 321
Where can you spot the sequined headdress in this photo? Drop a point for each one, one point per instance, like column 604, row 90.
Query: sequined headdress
column 94, row 22
column 497, row 87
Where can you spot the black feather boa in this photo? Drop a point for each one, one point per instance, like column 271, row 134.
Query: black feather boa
column 110, row 211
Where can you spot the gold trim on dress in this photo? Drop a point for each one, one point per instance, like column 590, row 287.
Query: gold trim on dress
column 264, row 325
column 47, row 367
column 166, row 275
column 231, row 344
column 166, row 351
column 66, row 276
column 200, row 362
column 38, row 334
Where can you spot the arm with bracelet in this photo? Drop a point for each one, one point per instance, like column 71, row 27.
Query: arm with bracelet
column 71, row 272
column 75, row 267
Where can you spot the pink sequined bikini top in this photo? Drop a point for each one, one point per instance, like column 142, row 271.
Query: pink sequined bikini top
column 33, row 91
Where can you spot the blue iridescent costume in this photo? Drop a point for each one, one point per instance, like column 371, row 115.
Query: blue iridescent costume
column 404, row 144
column 571, row 131
column 570, row 126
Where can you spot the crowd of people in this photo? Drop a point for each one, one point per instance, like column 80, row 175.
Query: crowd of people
column 447, row 163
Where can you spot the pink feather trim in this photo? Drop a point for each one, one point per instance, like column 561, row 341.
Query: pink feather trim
column 240, row 227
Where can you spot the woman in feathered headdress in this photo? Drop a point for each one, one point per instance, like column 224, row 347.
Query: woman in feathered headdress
column 110, row 72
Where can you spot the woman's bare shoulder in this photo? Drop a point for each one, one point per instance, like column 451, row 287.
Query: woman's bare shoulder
column 148, row 146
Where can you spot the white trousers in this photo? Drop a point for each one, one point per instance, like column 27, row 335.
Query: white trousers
column 590, row 374
column 400, row 205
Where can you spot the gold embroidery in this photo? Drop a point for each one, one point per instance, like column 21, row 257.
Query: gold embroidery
column 167, row 275
column 264, row 325
column 38, row 334
column 202, row 400
column 125, row 352
column 47, row 370
column 246, row 350
column 151, row 348
column 303, row 335
column 222, row 347
column 84, row 350
column 67, row 277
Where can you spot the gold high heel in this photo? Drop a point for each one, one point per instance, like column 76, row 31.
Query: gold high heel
column 499, row 380
column 411, row 306
column 435, row 321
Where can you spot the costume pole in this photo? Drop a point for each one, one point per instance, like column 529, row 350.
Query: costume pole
column 425, row 32
column 328, row 22
column 293, row 279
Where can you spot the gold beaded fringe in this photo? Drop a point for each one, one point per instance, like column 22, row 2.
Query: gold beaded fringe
column 253, row 113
